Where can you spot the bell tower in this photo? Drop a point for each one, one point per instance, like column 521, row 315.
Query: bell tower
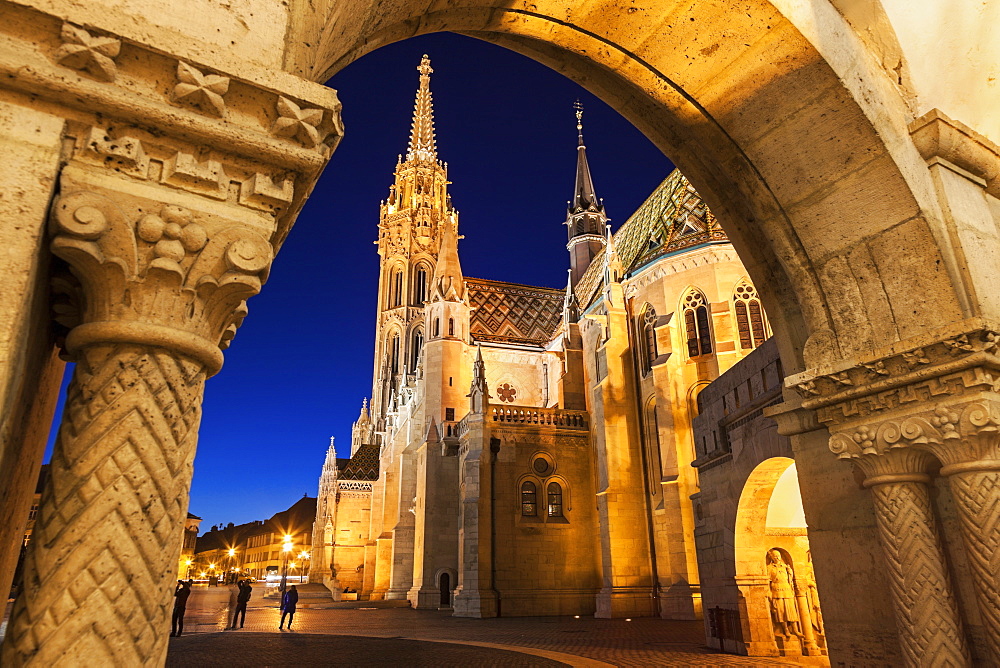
column 585, row 216
column 411, row 221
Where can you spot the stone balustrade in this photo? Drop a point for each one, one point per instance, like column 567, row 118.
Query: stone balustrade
column 545, row 417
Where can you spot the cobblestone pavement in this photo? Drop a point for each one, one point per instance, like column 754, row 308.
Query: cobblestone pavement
column 327, row 635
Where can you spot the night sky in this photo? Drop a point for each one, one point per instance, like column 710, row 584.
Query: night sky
column 302, row 361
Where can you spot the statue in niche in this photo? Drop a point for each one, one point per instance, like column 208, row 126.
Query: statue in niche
column 784, row 613
column 813, row 596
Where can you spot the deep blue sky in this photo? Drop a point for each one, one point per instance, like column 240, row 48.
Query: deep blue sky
column 302, row 361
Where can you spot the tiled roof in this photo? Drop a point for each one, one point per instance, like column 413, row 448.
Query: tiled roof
column 362, row 466
column 513, row 313
column 674, row 217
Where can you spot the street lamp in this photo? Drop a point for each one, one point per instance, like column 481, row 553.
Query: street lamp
column 188, row 564
column 304, row 555
column 285, row 550
column 232, row 564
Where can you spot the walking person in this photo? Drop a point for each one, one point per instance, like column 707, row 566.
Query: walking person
column 181, row 594
column 241, row 602
column 288, row 602
column 234, row 595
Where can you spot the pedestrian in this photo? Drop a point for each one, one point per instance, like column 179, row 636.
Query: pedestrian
column 241, row 602
column 288, row 602
column 234, row 594
column 181, row 594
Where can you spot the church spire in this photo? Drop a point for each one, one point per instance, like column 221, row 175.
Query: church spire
column 585, row 218
column 422, row 146
column 584, row 197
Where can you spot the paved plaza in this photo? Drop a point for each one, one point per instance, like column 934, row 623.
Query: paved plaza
column 367, row 634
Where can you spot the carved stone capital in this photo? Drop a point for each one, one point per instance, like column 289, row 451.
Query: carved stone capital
column 961, row 434
column 153, row 267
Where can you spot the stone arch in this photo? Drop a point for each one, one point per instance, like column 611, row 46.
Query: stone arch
column 730, row 115
column 770, row 517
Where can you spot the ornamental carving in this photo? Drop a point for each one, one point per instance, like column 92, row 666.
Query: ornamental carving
column 953, row 433
column 94, row 54
column 200, row 90
column 298, row 123
column 171, row 273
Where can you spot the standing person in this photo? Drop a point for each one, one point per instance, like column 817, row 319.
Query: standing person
column 288, row 602
column 181, row 594
column 234, row 595
column 241, row 602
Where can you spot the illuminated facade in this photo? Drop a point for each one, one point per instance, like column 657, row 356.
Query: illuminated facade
column 527, row 450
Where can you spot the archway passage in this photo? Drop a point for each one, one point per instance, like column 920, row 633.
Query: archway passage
column 779, row 600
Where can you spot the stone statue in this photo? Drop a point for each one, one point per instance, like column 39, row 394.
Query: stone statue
column 784, row 614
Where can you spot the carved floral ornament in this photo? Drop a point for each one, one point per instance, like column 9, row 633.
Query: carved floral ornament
column 166, row 278
column 94, row 54
column 953, row 433
column 201, row 90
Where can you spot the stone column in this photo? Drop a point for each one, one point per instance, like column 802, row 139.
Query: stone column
column 926, row 612
column 898, row 416
column 809, row 646
column 173, row 195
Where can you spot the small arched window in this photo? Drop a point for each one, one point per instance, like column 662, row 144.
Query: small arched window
column 396, row 288
column 647, row 321
column 750, row 320
column 394, row 353
column 451, row 327
column 529, row 499
column 420, row 286
column 418, row 344
column 555, row 500
column 437, row 327
column 696, row 324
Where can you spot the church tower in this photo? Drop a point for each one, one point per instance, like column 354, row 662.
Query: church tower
column 411, row 227
column 585, row 218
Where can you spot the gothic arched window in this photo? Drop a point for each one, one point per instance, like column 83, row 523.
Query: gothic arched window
column 529, row 499
column 437, row 327
column 394, row 353
column 555, row 500
column 750, row 320
column 420, row 286
column 647, row 321
column 418, row 344
column 696, row 324
column 451, row 327
column 396, row 288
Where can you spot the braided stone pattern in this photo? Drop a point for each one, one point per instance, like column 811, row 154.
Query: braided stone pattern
column 100, row 570
column 930, row 631
column 977, row 496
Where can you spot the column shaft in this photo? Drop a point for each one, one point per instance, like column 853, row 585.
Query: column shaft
column 930, row 630
column 977, row 497
column 105, row 551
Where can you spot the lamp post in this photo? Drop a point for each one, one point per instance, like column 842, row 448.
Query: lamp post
column 304, row 556
column 188, row 564
column 285, row 551
column 232, row 565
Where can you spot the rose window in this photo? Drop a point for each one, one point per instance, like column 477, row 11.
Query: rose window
column 507, row 393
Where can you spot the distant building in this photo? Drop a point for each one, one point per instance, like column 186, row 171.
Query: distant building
column 256, row 548
column 184, row 565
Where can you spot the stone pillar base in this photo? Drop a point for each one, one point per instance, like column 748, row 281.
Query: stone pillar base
column 680, row 602
column 397, row 594
column 477, row 604
column 424, row 598
column 614, row 602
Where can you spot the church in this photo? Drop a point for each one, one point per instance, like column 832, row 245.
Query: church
column 529, row 450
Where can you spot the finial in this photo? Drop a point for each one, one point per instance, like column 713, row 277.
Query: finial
column 425, row 66
column 578, row 107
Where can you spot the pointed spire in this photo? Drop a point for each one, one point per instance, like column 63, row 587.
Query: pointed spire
column 449, row 283
column 584, row 197
column 570, row 313
column 422, row 146
column 479, row 393
column 364, row 417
